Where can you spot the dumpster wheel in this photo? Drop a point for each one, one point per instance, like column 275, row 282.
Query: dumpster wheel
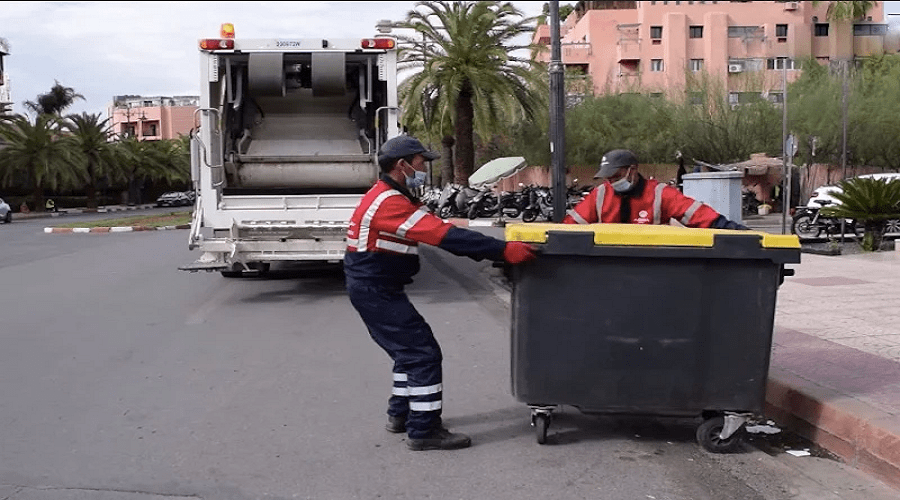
column 709, row 436
column 541, row 416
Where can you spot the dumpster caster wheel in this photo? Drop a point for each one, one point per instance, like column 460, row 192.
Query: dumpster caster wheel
column 708, row 435
column 541, row 422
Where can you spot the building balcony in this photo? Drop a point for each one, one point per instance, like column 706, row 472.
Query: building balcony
column 576, row 53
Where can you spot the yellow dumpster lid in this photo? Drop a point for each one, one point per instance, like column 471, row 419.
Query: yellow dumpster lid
column 644, row 235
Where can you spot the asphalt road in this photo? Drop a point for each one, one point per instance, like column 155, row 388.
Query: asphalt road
column 123, row 378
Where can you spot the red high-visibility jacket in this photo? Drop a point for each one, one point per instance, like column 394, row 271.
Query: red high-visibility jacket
column 387, row 227
column 651, row 202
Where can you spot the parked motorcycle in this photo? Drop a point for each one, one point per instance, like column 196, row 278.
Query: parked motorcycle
column 808, row 222
column 483, row 204
column 540, row 204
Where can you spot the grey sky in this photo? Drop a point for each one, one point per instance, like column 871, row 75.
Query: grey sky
column 103, row 49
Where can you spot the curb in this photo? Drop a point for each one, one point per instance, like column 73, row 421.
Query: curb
column 866, row 438
column 117, row 229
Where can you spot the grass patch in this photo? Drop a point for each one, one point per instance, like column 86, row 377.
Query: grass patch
column 170, row 219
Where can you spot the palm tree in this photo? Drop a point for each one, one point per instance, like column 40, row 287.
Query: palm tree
column 54, row 102
column 35, row 153
column 166, row 160
column 847, row 11
column 871, row 201
column 96, row 156
column 463, row 54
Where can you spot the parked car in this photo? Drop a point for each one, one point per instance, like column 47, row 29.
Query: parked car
column 5, row 212
column 175, row 199
column 824, row 196
column 824, row 193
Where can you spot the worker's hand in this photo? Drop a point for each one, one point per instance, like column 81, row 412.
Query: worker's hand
column 517, row 252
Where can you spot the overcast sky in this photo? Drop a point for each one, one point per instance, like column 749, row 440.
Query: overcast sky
column 104, row 49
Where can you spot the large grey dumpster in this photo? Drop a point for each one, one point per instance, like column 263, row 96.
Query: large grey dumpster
column 720, row 190
column 640, row 319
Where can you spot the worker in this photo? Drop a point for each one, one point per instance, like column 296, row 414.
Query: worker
column 626, row 197
column 381, row 259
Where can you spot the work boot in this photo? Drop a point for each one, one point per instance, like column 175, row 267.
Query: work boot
column 440, row 439
column 396, row 425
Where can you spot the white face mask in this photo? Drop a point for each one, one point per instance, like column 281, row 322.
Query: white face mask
column 622, row 185
column 417, row 180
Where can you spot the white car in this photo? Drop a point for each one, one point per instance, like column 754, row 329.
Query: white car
column 5, row 212
column 823, row 196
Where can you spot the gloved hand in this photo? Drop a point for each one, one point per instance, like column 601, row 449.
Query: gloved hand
column 517, row 252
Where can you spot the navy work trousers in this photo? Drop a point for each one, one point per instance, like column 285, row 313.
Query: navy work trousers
column 402, row 332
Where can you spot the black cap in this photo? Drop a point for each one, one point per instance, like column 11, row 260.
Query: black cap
column 614, row 160
column 403, row 146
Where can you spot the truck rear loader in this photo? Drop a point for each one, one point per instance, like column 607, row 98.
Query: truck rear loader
column 286, row 146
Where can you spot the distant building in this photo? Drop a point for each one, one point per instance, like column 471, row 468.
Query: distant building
column 152, row 118
column 655, row 47
column 6, row 102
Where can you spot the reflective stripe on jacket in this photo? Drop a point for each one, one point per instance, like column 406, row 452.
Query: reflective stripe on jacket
column 387, row 227
column 652, row 202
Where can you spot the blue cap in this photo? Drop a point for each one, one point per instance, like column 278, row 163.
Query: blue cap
column 614, row 160
column 403, row 146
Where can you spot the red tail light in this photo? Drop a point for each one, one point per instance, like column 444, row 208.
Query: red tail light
column 378, row 43
column 216, row 44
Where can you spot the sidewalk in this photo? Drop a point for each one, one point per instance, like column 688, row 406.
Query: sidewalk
column 73, row 211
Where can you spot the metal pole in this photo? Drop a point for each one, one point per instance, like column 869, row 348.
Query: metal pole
column 843, row 134
column 784, row 144
column 557, row 117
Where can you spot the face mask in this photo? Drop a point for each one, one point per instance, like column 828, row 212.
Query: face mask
column 417, row 180
column 622, row 185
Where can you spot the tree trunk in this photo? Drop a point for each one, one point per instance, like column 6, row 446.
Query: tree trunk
column 90, row 190
column 465, row 143
column 447, row 166
column 37, row 194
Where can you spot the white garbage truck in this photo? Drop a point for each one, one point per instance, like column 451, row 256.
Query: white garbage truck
column 286, row 146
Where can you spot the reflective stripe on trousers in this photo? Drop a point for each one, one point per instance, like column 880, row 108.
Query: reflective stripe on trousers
column 396, row 326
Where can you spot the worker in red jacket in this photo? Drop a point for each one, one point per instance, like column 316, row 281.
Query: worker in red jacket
column 381, row 259
column 626, row 197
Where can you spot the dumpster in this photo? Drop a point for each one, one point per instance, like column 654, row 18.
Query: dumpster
column 647, row 320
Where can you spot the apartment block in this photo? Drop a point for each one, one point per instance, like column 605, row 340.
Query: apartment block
column 152, row 118
column 750, row 47
column 6, row 102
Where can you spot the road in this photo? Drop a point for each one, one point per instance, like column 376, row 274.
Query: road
column 125, row 379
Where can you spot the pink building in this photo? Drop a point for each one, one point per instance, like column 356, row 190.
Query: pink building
column 152, row 118
column 653, row 47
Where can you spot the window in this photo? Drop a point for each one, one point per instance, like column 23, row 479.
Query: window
column 129, row 130
column 781, row 30
column 869, row 29
column 696, row 31
column 732, row 98
column 742, row 31
column 656, row 95
column 821, row 29
column 152, row 130
column 656, row 65
column 696, row 65
column 776, row 97
column 656, row 32
column 779, row 63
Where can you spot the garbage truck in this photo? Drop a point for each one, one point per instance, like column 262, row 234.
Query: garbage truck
column 285, row 145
